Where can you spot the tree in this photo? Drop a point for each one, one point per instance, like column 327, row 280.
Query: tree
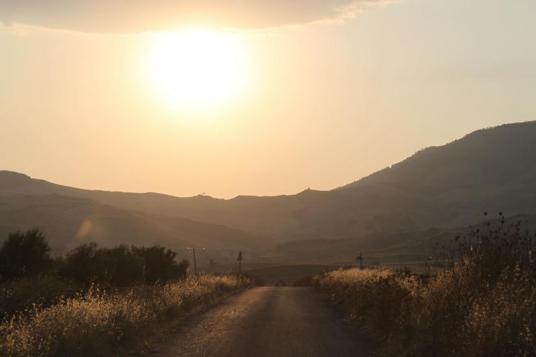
column 118, row 266
column 88, row 264
column 25, row 254
column 160, row 265
column 180, row 270
column 79, row 264
column 121, row 266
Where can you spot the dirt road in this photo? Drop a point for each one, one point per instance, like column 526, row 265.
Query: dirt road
column 267, row 321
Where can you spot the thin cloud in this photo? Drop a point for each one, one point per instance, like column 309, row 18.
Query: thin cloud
column 126, row 16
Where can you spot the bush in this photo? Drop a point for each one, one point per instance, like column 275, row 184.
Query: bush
column 79, row 265
column 25, row 254
column 159, row 264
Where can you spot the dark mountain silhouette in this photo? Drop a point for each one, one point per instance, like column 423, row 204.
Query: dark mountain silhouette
column 499, row 156
column 443, row 187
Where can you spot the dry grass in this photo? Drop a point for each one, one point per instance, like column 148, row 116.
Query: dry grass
column 446, row 315
column 484, row 305
column 96, row 323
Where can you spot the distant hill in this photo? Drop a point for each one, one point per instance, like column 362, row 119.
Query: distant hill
column 489, row 170
column 503, row 156
column 441, row 187
column 389, row 248
column 69, row 222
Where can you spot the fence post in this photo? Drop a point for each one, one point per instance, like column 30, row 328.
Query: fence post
column 360, row 260
column 195, row 262
column 239, row 260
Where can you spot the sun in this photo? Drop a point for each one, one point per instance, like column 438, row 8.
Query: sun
column 197, row 69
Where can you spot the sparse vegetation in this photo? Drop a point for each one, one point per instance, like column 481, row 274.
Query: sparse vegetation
column 485, row 305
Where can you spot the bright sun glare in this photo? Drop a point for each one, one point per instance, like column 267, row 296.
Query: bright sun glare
column 197, row 70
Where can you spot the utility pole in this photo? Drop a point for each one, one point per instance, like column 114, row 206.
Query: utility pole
column 428, row 265
column 195, row 262
column 360, row 260
column 239, row 260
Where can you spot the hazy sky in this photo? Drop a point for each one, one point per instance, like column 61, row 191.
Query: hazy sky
column 336, row 90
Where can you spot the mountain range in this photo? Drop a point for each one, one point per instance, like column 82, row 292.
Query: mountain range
column 439, row 189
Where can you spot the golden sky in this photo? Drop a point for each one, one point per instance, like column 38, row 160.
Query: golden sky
column 329, row 90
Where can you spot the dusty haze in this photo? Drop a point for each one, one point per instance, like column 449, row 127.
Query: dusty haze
column 327, row 102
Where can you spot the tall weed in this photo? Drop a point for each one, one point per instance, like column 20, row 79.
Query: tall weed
column 485, row 305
